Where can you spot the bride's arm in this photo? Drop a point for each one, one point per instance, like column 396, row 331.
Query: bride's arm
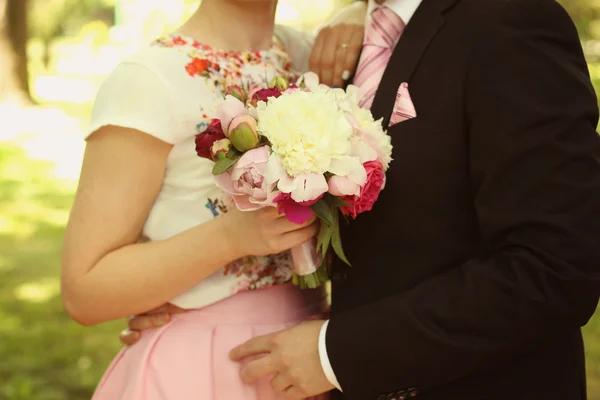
column 105, row 273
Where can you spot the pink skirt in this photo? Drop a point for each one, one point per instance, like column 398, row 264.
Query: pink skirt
column 188, row 359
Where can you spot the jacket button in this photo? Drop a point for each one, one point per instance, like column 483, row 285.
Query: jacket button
column 339, row 278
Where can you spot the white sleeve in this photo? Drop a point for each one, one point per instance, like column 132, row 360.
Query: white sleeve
column 298, row 44
column 133, row 96
column 325, row 363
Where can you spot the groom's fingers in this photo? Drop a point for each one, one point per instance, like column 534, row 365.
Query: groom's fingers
column 293, row 393
column 255, row 370
column 253, row 347
column 281, row 382
column 143, row 322
column 129, row 337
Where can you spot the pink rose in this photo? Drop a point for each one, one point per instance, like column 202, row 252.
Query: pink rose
column 297, row 213
column 246, row 183
column 205, row 140
column 369, row 192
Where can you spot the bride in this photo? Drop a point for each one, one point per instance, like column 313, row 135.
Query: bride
column 141, row 178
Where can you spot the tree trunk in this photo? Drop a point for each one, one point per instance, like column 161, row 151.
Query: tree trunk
column 14, row 79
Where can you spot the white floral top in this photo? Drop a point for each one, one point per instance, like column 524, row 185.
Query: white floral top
column 170, row 90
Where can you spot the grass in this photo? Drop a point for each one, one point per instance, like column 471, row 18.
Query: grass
column 44, row 355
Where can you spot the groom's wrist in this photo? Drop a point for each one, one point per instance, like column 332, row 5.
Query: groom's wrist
column 325, row 364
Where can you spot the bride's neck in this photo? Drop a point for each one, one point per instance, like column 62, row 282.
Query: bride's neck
column 233, row 24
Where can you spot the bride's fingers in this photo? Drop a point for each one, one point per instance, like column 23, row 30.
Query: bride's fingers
column 286, row 226
column 327, row 56
column 301, row 236
column 349, row 44
column 314, row 61
column 353, row 54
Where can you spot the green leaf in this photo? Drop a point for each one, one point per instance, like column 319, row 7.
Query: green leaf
column 335, row 201
column 336, row 242
column 233, row 154
column 323, row 211
column 324, row 239
column 223, row 165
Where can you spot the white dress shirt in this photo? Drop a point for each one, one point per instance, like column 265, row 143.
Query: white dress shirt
column 405, row 10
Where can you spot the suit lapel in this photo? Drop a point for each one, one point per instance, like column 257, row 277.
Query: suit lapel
column 422, row 28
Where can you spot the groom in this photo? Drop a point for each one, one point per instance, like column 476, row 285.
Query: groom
column 474, row 272
column 480, row 262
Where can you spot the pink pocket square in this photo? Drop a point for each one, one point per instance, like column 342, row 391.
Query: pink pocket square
column 404, row 108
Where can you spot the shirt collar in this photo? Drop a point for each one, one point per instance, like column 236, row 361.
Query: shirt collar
column 404, row 8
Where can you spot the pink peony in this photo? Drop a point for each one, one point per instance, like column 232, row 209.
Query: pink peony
column 205, row 140
column 231, row 108
column 369, row 192
column 350, row 184
column 297, row 213
column 245, row 181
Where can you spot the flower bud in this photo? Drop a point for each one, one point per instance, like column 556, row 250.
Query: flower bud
column 238, row 92
column 280, row 83
column 219, row 149
column 243, row 134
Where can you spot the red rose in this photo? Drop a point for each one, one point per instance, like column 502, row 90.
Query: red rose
column 263, row 95
column 205, row 140
column 369, row 193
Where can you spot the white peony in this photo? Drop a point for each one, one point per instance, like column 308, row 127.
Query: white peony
column 308, row 130
column 370, row 131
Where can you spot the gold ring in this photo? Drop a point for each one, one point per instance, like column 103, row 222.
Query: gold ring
column 344, row 45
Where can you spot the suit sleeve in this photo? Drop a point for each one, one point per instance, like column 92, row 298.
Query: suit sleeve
column 535, row 176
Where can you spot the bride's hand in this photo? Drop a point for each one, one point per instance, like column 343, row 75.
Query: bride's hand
column 338, row 45
column 265, row 231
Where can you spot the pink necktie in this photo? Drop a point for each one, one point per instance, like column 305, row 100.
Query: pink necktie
column 381, row 36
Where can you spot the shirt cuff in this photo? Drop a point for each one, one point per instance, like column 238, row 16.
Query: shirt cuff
column 325, row 364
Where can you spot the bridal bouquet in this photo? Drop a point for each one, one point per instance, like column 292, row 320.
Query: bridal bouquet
column 305, row 148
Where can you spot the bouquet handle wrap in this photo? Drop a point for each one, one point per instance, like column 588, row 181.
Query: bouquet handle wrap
column 306, row 258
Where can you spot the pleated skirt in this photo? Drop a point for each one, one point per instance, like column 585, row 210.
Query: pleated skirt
column 188, row 359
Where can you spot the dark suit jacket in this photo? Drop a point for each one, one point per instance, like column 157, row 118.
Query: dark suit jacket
column 480, row 262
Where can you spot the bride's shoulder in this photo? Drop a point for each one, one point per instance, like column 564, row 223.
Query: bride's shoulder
column 297, row 43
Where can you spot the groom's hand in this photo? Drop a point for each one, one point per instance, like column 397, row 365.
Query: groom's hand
column 292, row 356
column 149, row 320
